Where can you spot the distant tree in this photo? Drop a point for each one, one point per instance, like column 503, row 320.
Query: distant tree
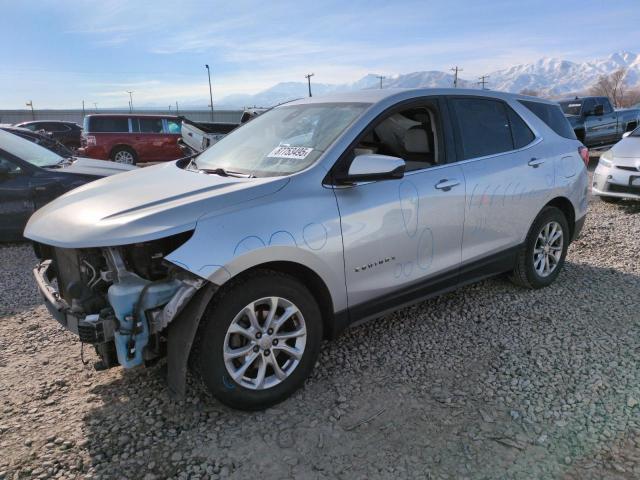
column 613, row 86
column 631, row 98
column 530, row 92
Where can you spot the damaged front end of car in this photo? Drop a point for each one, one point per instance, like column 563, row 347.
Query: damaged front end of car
column 122, row 300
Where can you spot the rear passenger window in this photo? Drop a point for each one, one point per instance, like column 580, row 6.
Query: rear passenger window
column 113, row 124
column 483, row 126
column 522, row 134
column 150, row 125
column 554, row 118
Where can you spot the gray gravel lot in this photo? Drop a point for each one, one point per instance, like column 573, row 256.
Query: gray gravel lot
column 488, row 382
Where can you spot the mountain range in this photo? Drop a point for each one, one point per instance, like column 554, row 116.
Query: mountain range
column 551, row 77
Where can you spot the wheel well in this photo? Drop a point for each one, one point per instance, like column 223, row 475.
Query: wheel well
column 565, row 205
column 313, row 282
column 580, row 134
column 123, row 146
column 631, row 126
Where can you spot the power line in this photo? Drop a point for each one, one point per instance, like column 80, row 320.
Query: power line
column 483, row 81
column 308, row 77
column 381, row 77
column 455, row 75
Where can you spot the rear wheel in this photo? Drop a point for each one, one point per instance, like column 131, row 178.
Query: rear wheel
column 540, row 260
column 124, row 155
column 611, row 199
column 261, row 341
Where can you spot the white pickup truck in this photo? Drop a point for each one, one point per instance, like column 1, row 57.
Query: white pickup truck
column 198, row 136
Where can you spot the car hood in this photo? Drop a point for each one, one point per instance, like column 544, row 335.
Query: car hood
column 141, row 205
column 98, row 168
column 627, row 148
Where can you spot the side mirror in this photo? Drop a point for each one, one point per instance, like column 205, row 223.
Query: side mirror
column 370, row 167
column 626, row 134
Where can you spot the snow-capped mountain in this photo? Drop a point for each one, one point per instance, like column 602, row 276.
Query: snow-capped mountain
column 549, row 76
column 553, row 76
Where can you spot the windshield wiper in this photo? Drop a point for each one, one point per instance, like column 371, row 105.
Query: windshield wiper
column 225, row 173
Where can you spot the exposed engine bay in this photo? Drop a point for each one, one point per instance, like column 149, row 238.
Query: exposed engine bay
column 119, row 299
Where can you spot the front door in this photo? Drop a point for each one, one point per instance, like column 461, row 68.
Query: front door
column 600, row 127
column 16, row 202
column 402, row 237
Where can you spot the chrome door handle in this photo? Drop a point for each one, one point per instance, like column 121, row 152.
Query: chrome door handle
column 535, row 162
column 447, row 185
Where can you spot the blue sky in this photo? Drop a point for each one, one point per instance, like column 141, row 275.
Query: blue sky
column 58, row 53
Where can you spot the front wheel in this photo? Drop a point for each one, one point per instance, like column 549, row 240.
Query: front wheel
column 261, row 340
column 540, row 260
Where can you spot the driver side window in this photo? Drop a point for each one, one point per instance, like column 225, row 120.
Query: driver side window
column 413, row 134
column 9, row 167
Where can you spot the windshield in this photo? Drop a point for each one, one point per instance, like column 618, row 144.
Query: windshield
column 572, row 107
column 28, row 151
column 281, row 141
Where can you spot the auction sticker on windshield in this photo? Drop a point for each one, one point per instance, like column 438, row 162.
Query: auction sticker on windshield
column 296, row 153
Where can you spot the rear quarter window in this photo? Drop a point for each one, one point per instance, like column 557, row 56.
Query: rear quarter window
column 106, row 124
column 551, row 115
column 483, row 126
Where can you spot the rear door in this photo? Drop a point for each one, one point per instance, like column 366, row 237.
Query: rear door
column 151, row 140
column 402, row 238
column 507, row 179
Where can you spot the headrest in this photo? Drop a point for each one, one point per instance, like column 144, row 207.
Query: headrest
column 416, row 140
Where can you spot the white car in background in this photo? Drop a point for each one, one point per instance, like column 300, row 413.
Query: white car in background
column 617, row 175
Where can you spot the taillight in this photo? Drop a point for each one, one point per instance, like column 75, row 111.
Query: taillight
column 91, row 140
column 584, row 154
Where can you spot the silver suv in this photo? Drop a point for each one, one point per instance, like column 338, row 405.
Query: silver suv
column 315, row 215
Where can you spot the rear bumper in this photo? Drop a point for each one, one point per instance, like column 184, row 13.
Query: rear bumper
column 58, row 308
column 94, row 151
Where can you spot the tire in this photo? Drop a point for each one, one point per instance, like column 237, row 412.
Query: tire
column 525, row 273
column 124, row 155
column 227, row 315
column 611, row 199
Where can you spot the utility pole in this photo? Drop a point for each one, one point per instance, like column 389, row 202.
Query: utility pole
column 96, row 106
column 455, row 75
column 381, row 78
column 130, row 101
column 82, row 108
column 483, row 81
column 177, row 111
column 169, row 108
column 308, row 77
column 210, row 91
column 30, row 104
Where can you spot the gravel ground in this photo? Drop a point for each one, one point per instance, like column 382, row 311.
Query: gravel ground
column 488, row 382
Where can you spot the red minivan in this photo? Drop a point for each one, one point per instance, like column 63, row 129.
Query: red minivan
column 130, row 138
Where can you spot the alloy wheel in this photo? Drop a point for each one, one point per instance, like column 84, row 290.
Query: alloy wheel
column 124, row 156
column 547, row 251
column 264, row 343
